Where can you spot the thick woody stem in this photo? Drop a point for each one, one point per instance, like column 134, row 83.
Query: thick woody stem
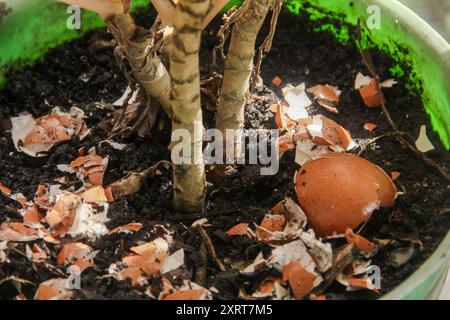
column 239, row 66
column 189, row 178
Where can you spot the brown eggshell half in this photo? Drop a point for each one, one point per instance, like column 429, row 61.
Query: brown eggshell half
column 340, row 191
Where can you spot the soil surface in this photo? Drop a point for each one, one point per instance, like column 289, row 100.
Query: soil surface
column 75, row 74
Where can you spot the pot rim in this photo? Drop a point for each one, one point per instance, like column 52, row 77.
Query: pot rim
column 436, row 43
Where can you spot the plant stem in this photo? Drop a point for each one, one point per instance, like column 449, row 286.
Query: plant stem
column 239, row 66
column 189, row 177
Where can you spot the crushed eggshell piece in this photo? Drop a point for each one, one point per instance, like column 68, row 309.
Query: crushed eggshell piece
column 395, row 175
column 370, row 126
column 54, row 289
column 359, row 241
column 173, row 262
column 313, row 137
column 19, row 232
column 35, row 137
column 327, row 96
column 94, row 195
column 294, row 215
column 325, row 131
column 354, row 284
column 189, row 291
column 286, row 142
column 156, row 249
column 297, row 101
column 326, row 92
column 295, row 250
column 91, row 168
column 35, row 253
column 362, row 81
column 321, row 252
column 63, row 211
column 267, row 287
column 389, row 83
column 5, row 190
column 127, row 228
column 371, row 95
column 145, row 261
column 276, row 81
column 240, row 229
column 256, row 265
column 369, row 91
column 307, row 150
column 3, row 247
column 194, row 294
column 273, row 222
column 31, row 215
column 361, row 283
column 423, row 144
column 71, row 215
column 300, row 280
column 78, row 254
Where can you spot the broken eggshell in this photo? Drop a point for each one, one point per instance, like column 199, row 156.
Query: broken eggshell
column 339, row 191
column 35, row 137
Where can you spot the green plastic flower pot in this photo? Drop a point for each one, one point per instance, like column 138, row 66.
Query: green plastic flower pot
column 35, row 26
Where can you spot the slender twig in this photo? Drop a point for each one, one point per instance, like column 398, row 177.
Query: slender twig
column 368, row 62
column 196, row 216
column 209, row 245
column 200, row 273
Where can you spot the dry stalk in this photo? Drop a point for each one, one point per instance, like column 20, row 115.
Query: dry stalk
column 134, row 182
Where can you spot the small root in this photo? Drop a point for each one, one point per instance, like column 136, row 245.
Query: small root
column 201, row 272
column 209, row 245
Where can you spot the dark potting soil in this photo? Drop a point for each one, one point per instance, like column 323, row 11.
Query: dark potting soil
column 77, row 74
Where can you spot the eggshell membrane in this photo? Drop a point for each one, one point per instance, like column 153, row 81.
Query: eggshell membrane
column 340, row 191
